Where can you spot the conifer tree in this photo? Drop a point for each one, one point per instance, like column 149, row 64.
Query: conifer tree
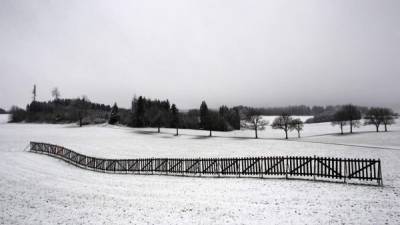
column 114, row 117
column 175, row 118
column 203, row 115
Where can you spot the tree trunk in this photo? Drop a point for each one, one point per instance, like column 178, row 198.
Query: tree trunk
column 298, row 133
column 158, row 129
column 377, row 128
column 210, row 133
column 286, row 134
column 341, row 128
column 255, row 129
column 351, row 126
column 177, row 132
column 385, row 127
column 80, row 121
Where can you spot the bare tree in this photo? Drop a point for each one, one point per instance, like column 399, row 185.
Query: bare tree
column 283, row 122
column 34, row 92
column 374, row 116
column 55, row 93
column 388, row 117
column 254, row 121
column 351, row 114
column 297, row 125
column 339, row 119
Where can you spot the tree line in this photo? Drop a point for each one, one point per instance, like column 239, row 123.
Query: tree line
column 156, row 113
column 351, row 115
column 146, row 112
column 59, row 110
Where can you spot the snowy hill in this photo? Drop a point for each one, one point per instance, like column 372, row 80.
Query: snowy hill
column 36, row 189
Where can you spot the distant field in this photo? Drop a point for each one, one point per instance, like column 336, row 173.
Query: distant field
column 37, row 189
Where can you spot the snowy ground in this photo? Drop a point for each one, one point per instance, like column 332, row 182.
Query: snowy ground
column 37, row 189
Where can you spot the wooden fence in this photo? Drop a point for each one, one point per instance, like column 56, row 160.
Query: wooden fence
column 324, row 168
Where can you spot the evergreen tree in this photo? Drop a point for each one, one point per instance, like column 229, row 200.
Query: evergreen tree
column 114, row 116
column 175, row 118
column 203, row 115
column 139, row 112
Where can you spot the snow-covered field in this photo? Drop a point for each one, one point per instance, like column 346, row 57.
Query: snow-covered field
column 37, row 189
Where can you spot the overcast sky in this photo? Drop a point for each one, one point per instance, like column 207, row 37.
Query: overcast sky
column 258, row 53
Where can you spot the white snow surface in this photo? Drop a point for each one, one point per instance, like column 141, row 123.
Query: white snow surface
column 38, row 189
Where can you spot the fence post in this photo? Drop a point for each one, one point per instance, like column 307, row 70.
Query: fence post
column 152, row 165
column 183, row 167
column 200, row 166
column 166, row 166
column 262, row 161
column 380, row 180
column 315, row 163
column 345, row 170
column 219, row 166
column 287, row 167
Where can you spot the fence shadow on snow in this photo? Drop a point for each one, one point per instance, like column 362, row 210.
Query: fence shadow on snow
column 361, row 171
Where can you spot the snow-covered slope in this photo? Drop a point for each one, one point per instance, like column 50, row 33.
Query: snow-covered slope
column 272, row 118
column 37, row 189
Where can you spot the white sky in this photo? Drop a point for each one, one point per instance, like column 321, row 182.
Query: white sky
column 258, row 53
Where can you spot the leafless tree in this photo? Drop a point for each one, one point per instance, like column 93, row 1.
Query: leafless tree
column 254, row 121
column 55, row 93
column 283, row 122
column 297, row 125
column 388, row 117
column 349, row 113
column 339, row 119
column 374, row 116
column 34, row 92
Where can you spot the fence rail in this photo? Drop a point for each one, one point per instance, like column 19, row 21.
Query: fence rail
column 308, row 167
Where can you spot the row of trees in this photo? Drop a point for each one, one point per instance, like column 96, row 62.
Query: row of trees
column 79, row 110
column 155, row 113
column 254, row 121
column 351, row 115
column 58, row 110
